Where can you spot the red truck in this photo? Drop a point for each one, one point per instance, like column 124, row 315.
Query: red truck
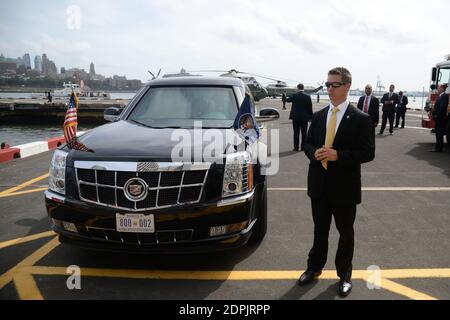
column 440, row 74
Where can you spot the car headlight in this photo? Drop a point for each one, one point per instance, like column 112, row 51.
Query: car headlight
column 238, row 174
column 57, row 173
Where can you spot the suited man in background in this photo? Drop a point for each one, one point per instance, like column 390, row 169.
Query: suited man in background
column 301, row 114
column 401, row 109
column 340, row 139
column 371, row 105
column 440, row 117
column 389, row 101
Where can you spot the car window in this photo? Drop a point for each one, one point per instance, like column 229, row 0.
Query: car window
column 180, row 106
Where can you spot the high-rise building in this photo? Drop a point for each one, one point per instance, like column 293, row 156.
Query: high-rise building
column 91, row 70
column 26, row 60
column 19, row 62
column 38, row 64
column 45, row 63
column 48, row 66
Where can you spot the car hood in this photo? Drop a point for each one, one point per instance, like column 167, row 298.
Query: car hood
column 124, row 139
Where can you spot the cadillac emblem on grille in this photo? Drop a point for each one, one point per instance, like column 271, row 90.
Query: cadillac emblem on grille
column 135, row 189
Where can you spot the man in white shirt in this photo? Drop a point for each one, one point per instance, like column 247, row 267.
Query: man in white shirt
column 339, row 140
column 371, row 105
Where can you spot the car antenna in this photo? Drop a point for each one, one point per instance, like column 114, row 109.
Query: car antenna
column 153, row 76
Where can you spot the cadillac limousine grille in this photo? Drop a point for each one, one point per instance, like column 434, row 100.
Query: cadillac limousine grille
column 169, row 186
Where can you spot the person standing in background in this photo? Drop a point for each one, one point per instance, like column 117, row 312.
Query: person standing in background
column 283, row 98
column 389, row 101
column 301, row 114
column 401, row 109
column 371, row 105
column 440, row 117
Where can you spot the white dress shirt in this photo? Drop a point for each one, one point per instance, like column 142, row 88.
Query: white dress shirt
column 339, row 115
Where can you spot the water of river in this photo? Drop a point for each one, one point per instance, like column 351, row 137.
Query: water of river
column 19, row 134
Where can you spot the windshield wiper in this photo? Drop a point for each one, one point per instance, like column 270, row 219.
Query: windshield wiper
column 142, row 124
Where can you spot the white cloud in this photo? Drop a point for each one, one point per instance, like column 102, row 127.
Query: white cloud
column 398, row 40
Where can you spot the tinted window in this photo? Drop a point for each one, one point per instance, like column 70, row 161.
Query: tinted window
column 181, row 106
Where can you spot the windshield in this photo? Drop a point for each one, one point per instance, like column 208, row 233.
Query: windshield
column 443, row 76
column 179, row 107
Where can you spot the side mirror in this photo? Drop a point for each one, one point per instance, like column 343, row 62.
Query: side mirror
column 112, row 114
column 267, row 114
column 433, row 87
column 433, row 74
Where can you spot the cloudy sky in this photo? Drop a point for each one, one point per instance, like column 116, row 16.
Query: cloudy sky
column 300, row 40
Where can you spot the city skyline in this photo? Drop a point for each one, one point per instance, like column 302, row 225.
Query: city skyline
column 399, row 41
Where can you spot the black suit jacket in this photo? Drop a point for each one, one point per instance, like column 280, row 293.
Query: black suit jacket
column 374, row 108
column 354, row 143
column 402, row 102
column 301, row 109
column 440, row 108
column 389, row 107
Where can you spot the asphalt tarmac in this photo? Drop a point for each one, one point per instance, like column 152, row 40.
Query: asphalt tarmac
column 402, row 236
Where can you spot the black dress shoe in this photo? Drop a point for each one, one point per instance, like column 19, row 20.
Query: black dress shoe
column 296, row 149
column 380, row 134
column 307, row 277
column 345, row 287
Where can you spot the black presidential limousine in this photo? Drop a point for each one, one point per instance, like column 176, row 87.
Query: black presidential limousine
column 125, row 190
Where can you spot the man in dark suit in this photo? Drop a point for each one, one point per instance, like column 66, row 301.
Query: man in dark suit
column 340, row 139
column 440, row 117
column 283, row 99
column 389, row 101
column 371, row 105
column 301, row 114
column 401, row 109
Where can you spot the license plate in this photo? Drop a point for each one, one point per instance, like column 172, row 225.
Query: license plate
column 135, row 223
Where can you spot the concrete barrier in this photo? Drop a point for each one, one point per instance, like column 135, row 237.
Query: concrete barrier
column 32, row 148
column 8, row 154
column 55, row 142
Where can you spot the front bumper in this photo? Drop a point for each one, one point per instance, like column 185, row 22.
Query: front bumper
column 96, row 225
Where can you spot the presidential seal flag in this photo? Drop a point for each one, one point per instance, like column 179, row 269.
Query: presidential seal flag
column 70, row 126
column 245, row 122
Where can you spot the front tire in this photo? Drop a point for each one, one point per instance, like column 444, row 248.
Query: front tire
column 260, row 227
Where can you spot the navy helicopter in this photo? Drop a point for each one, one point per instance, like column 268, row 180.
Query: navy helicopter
column 276, row 89
column 258, row 91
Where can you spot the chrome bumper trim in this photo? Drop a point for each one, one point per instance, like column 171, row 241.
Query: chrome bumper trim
column 236, row 200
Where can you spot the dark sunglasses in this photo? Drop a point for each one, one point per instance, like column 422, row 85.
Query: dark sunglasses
column 334, row 84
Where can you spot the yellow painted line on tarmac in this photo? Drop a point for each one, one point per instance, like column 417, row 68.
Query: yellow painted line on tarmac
column 256, row 275
column 25, row 184
column 442, row 189
column 415, row 273
column 26, row 287
column 404, row 291
column 28, row 261
column 235, row 274
column 12, row 194
column 13, row 242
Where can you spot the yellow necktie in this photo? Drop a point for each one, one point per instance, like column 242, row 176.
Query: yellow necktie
column 331, row 132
